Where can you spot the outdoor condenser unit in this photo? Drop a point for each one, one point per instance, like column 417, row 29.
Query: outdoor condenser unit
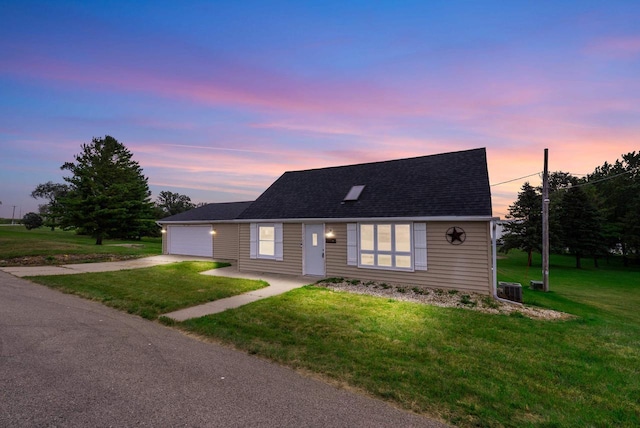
column 510, row 291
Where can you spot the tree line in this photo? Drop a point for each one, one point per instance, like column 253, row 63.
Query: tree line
column 593, row 216
column 105, row 195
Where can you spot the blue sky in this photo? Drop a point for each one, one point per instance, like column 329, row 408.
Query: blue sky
column 217, row 99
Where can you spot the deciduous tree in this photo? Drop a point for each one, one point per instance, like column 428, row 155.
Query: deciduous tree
column 171, row 203
column 52, row 192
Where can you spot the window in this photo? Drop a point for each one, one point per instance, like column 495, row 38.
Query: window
column 266, row 241
column 386, row 246
column 354, row 193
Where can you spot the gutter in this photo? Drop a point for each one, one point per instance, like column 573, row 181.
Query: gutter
column 365, row 219
column 333, row 220
column 494, row 256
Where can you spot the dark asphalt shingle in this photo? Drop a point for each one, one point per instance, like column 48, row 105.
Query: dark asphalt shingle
column 448, row 184
column 211, row 212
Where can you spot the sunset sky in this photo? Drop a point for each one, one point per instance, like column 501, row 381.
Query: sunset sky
column 216, row 99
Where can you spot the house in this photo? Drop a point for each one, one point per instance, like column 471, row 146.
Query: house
column 423, row 221
column 206, row 231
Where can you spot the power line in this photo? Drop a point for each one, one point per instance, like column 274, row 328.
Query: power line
column 516, row 179
column 602, row 179
column 572, row 187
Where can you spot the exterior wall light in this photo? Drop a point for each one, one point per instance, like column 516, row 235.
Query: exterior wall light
column 163, row 230
column 330, row 234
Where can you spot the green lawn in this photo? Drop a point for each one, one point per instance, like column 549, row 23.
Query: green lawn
column 17, row 241
column 466, row 367
column 469, row 368
column 150, row 292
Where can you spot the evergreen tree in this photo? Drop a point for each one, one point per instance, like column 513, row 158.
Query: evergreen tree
column 525, row 230
column 108, row 194
column 580, row 224
column 559, row 182
column 618, row 190
column 32, row 221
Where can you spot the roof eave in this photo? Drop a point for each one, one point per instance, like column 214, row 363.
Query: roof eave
column 367, row 219
column 194, row 221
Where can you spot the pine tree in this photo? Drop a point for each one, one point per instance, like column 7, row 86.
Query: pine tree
column 108, row 194
column 618, row 189
column 581, row 224
column 525, row 230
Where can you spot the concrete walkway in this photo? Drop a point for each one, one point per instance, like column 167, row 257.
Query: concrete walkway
column 278, row 284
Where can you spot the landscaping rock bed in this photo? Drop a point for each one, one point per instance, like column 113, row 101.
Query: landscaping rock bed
column 439, row 297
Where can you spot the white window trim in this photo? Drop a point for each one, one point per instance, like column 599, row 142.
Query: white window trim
column 259, row 241
column 254, row 241
column 352, row 244
column 420, row 246
column 375, row 252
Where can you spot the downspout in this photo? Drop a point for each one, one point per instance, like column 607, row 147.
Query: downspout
column 494, row 256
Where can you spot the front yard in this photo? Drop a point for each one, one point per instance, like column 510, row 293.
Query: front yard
column 151, row 292
column 466, row 367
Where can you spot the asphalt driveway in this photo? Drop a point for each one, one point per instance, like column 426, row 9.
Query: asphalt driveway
column 65, row 361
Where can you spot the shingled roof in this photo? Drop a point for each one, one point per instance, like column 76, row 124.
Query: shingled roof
column 210, row 212
column 449, row 184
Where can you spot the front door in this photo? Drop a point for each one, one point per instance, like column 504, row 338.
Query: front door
column 314, row 249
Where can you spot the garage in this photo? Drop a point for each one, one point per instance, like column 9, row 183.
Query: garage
column 190, row 240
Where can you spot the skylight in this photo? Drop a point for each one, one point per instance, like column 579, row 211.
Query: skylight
column 354, row 193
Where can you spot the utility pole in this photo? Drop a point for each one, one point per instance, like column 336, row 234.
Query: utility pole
column 13, row 216
column 545, row 223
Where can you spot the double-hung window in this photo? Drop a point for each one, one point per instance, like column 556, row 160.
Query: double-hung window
column 386, row 246
column 266, row 240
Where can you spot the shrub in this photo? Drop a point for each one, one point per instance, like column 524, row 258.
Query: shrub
column 465, row 299
column 331, row 281
column 32, row 221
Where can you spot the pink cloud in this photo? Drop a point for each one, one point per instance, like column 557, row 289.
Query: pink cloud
column 615, row 47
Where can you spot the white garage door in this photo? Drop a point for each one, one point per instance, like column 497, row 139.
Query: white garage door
column 190, row 240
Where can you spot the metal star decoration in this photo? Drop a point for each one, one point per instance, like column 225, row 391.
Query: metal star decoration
column 456, row 235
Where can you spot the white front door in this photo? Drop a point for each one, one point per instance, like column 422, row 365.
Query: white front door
column 314, row 249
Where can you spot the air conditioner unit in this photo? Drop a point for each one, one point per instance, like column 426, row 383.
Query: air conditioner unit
column 510, row 291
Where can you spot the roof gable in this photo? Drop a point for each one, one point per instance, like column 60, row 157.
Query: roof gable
column 449, row 184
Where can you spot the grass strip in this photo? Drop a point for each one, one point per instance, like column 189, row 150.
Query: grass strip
column 150, row 292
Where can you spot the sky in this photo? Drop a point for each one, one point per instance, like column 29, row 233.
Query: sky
column 216, row 99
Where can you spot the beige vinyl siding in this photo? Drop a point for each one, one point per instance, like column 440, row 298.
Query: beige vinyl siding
column 165, row 248
column 462, row 267
column 291, row 264
column 225, row 241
